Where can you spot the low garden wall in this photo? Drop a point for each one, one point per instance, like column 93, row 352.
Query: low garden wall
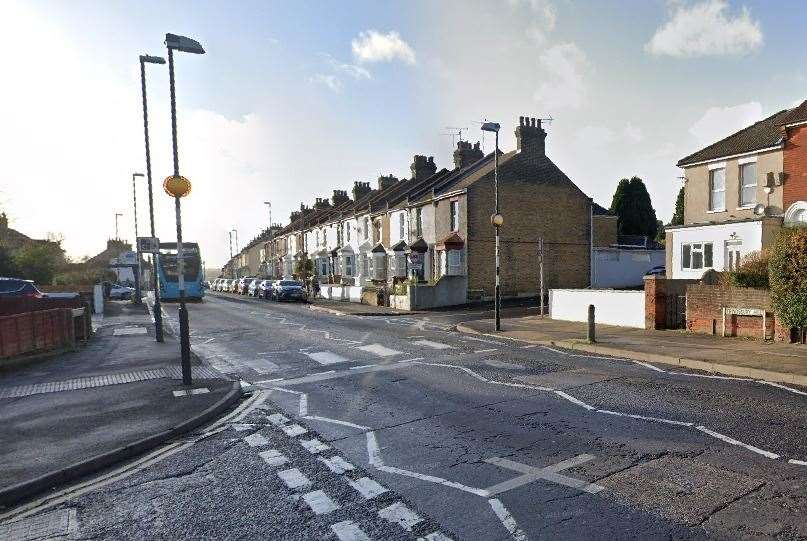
column 612, row 307
column 705, row 305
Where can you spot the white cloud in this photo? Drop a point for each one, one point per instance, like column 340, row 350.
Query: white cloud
column 563, row 67
column 351, row 70
column 719, row 122
column 594, row 137
column 330, row 81
column 632, row 133
column 372, row 46
column 706, row 29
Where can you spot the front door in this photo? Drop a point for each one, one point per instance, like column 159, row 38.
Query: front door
column 733, row 254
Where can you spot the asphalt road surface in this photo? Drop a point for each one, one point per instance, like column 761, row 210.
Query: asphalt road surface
column 400, row 427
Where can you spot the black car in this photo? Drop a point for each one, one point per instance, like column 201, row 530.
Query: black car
column 17, row 287
column 289, row 290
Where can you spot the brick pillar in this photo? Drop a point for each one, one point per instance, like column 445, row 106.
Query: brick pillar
column 655, row 302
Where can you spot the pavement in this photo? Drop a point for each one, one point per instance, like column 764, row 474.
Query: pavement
column 400, row 427
column 70, row 415
column 770, row 361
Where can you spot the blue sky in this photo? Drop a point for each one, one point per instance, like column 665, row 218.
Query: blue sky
column 295, row 99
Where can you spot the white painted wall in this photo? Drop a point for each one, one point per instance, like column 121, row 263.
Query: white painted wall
column 750, row 233
column 617, row 267
column 612, row 307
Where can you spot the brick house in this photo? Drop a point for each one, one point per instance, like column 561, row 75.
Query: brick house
column 739, row 192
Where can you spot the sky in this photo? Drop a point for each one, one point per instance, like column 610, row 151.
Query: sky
column 295, row 99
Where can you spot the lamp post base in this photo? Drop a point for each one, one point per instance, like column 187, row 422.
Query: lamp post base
column 185, row 343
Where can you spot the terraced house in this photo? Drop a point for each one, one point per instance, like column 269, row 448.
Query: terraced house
column 429, row 239
column 739, row 192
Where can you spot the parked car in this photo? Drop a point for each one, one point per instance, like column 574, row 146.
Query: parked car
column 264, row 289
column 658, row 270
column 289, row 290
column 17, row 287
column 243, row 285
column 223, row 284
column 123, row 293
column 232, row 287
column 205, row 284
column 252, row 288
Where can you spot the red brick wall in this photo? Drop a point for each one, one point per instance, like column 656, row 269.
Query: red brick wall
column 35, row 332
column 656, row 291
column 795, row 166
column 704, row 314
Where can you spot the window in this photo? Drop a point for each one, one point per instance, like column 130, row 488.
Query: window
column 366, row 228
column 419, row 222
column 455, row 262
column 347, row 232
column 324, row 237
column 733, row 255
column 316, row 238
column 348, row 265
column 377, row 231
column 748, row 184
column 696, row 256
column 717, row 190
column 455, row 215
column 401, row 232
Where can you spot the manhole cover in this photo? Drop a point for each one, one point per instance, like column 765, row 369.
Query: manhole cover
column 50, row 525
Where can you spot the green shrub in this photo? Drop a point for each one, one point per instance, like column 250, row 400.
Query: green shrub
column 752, row 272
column 787, row 267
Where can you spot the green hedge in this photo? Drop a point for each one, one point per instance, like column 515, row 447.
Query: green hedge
column 787, row 267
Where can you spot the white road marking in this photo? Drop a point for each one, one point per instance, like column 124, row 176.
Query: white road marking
column 373, row 452
column 574, row 400
column 378, row 349
column 732, row 441
column 549, row 473
column 293, row 430
column 269, row 380
column 400, row 514
column 314, row 446
column 507, row 520
column 780, row 386
column 312, row 378
column 367, row 487
column 319, row 502
column 363, row 366
column 336, row 422
column 273, row 457
column 494, row 342
column 650, row 366
column 256, row 440
column 189, row 392
column 635, row 416
column 485, row 350
column 433, row 479
column 798, row 462
column 431, row 344
column 348, row 531
column 327, row 357
column 337, row 464
column 413, row 359
column 303, row 403
column 435, row 536
column 293, row 478
column 529, row 346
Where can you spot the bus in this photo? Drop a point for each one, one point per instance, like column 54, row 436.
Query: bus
column 168, row 276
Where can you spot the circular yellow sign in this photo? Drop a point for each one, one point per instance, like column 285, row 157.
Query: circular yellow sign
column 177, row 186
column 497, row 220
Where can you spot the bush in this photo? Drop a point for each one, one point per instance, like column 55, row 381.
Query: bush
column 787, row 268
column 39, row 262
column 752, row 272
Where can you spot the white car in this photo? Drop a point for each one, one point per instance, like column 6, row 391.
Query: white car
column 121, row 292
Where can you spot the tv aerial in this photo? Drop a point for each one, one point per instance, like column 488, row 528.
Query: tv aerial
column 455, row 133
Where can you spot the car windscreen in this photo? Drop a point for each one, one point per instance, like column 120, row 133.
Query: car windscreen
column 7, row 286
column 290, row 283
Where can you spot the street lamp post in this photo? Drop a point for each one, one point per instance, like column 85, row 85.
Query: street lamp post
column 497, row 220
column 158, row 315
column 179, row 189
column 137, row 248
column 235, row 267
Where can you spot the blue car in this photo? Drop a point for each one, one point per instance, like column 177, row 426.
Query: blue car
column 17, row 287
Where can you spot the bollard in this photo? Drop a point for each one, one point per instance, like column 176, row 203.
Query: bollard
column 591, row 334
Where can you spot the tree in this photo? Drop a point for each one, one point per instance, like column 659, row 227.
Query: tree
column 678, row 215
column 631, row 204
column 788, row 280
column 304, row 268
column 7, row 266
column 39, row 262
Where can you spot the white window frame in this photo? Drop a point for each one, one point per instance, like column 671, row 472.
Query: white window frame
column 401, row 226
column 713, row 191
column 454, row 212
column 697, row 248
column 419, row 221
column 743, row 186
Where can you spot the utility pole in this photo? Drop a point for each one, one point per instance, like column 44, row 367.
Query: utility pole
column 496, row 220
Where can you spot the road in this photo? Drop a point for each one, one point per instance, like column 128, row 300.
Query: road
column 400, row 427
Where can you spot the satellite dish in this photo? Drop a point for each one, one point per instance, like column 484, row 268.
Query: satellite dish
column 759, row 209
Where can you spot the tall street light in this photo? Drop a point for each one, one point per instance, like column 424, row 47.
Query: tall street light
column 158, row 315
column 179, row 187
column 137, row 248
column 235, row 267
column 497, row 220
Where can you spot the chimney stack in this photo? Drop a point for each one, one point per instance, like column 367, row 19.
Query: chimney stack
column 294, row 216
column 339, row 198
column 422, row 167
column 385, row 182
column 360, row 190
column 321, row 203
column 530, row 136
column 466, row 154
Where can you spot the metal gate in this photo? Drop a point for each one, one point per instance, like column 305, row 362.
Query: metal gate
column 676, row 307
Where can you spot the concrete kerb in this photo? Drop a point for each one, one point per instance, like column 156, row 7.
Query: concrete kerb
column 16, row 493
column 694, row 364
